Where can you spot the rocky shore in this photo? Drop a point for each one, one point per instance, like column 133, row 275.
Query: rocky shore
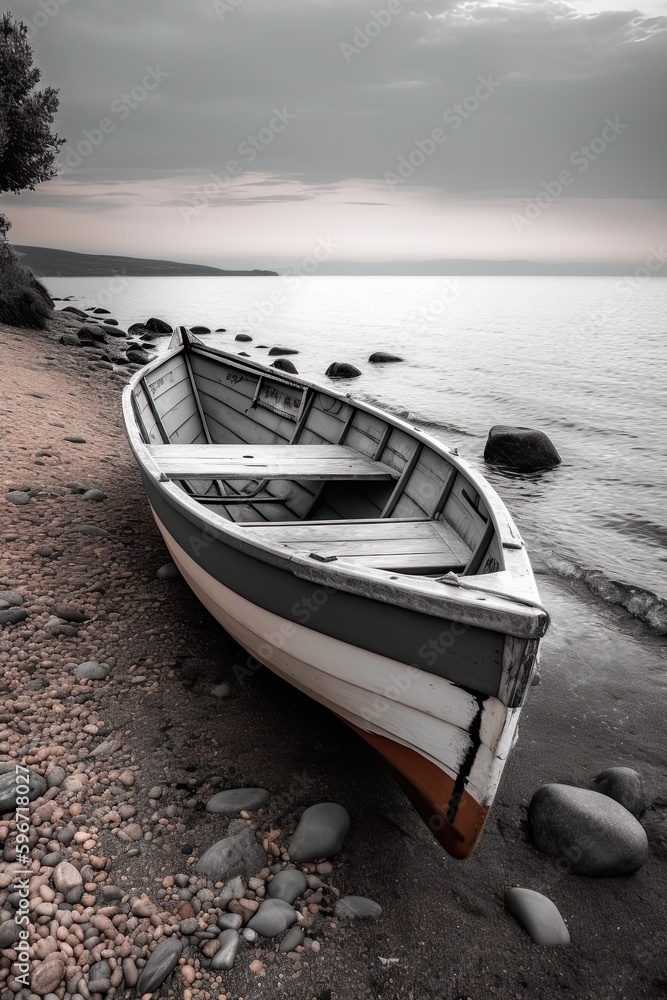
column 134, row 716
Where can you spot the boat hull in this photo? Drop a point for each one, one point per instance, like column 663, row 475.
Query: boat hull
column 446, row 744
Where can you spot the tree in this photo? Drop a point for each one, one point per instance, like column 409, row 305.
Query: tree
column 28, row 150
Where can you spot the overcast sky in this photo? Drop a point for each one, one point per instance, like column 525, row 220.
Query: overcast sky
column 317, row 119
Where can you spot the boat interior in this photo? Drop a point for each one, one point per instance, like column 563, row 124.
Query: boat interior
column 310, row 470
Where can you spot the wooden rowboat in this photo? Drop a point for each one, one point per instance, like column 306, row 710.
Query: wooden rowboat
column 354, row 555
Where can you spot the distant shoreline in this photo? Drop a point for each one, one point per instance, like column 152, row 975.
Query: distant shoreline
column 47, row 262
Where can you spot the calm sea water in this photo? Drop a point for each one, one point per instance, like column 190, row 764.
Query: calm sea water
column 582, row 359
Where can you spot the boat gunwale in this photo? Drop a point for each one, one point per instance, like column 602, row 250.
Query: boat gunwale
column 474, row 605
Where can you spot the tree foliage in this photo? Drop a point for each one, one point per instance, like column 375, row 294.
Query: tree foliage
column 28, row 148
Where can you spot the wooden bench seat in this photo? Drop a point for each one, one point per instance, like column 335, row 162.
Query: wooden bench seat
column 266, row 462
column 404, row 545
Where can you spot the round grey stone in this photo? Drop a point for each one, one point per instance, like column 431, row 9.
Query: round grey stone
column 100, row 970
column 287, row 885
column 18, row 497
column 52, row 860
column 95, row 495
column 12, row 616
column 169, row 571
column 538, row 916
column 357, row 908
column 91, row 671
column 11, row 597
column 8, row 785
column 56, row 776
column 273, row 917
column 225, row 957
column 9, row 933
column 624, row 785
column 292, row 939
column 161, row 963
column 320, row 832
column 236, row 855
column 189, row 926
column 221, row 691
column 590, row 832
column 230, row 921
column 235, row 799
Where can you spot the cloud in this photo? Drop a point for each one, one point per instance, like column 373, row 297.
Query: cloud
column 560, row 71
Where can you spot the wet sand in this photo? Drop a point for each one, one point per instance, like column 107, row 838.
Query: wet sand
column 600, row 703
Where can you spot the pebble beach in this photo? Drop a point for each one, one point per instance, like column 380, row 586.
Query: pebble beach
column 135, row 715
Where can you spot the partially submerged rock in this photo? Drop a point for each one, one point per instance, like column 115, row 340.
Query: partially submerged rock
column 158, row 326
column 283, row 365
column 593, row 834
column 520, row 448
column 320, row 832
column 538, row 916
column 382, row 357
column 341, row 369
column 276, row 352
column 236, row 855
column 624, row 785
column 243, row 337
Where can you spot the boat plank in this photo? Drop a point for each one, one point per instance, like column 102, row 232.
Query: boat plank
column 325, row 462
column 170, row 396
column 262, row 426
column 189, row 430
column 164, row 378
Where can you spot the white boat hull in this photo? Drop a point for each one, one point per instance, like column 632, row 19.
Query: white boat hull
column 418, row 721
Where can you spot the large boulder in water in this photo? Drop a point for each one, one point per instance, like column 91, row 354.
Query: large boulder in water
column 340, row 369
column 591, row 833
column 624, row 785
column 381, row 358
column 283, row 365
column 520, row 448
column 199, row 330
column 158, row 326
column 277, row 351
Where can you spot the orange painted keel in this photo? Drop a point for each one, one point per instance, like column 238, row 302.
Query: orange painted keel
column 455, row 818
